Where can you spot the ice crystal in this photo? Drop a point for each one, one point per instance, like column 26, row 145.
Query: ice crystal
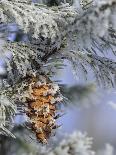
column 40, row 22
column 76, row 144
column 7, row 111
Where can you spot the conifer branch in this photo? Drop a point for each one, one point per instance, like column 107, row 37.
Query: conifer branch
column 55, row 33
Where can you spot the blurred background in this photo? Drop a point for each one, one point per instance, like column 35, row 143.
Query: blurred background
column 96, row 116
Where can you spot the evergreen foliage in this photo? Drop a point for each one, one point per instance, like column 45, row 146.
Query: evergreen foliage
column 82, row 32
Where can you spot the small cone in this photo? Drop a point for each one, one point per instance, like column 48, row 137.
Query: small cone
column 42, row 109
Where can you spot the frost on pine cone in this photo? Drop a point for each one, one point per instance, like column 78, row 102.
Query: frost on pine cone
column 42, row 108
column 28, row 85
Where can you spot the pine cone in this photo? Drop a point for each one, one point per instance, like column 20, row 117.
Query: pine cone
column 42, row 108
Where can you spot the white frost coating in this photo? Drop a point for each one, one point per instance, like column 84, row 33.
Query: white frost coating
column 54, row 23
column 6, row 105
column 76, row 144
column 61, row 26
